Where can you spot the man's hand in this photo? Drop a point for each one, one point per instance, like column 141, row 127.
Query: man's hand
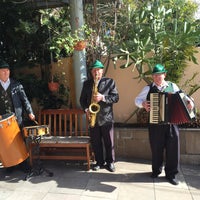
column 190, row 105
column 98, row 97
column 146, row 105
column 32, row 117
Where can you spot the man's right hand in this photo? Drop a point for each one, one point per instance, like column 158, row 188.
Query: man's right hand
column 146, row 105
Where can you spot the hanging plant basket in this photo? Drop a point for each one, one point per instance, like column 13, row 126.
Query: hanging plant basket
column 80, row 45
column 53, row 86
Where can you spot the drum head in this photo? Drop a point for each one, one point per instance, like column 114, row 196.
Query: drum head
column 7, row 115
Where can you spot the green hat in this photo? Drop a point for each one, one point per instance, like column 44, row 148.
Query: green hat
column 3, row 64
column 159, row 69
column 97, row 64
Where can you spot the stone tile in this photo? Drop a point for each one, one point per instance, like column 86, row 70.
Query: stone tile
column 172, row 193
column 190, row 170
column 101, row 189
column 193, row 182
column 71, row 181
column 70, row 185
column 5, row 193
column 162, row 182
column 195, row 194
column 56, row 196
column 132, row 166
column 192, row 176
column 93, row 198
column 26, row 195
column 130, row 191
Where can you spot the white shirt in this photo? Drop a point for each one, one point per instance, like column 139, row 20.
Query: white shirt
column 143, row 94
column 6, row 84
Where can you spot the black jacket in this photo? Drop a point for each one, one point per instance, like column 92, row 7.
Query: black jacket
column 19, row 100
column 106, row 87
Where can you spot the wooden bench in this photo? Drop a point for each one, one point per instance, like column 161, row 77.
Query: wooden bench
column 68, row 139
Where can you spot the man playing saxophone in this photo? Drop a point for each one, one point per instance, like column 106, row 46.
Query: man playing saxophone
column 97, row 98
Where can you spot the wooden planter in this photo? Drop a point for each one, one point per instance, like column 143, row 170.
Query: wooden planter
column 53, row 86
column 80, row 45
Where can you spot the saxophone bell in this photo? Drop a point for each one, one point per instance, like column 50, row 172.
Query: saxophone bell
column 94, row 108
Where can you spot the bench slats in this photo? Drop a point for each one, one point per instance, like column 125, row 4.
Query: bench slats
column 68, row 129
column 68, row 122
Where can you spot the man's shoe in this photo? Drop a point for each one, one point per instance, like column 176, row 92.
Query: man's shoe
column 9, row 170
column 97, row 167
column 24, row 167
column 111, row 167
column 173, row 181
column 154, row 175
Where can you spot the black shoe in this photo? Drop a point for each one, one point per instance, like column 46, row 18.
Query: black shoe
column 24, row 167
column 111, row 167
column 154, row 175
column 172, row 180
column 97, row 167
column 9, row 170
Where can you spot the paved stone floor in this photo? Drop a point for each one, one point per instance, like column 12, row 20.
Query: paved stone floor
column 70, row 181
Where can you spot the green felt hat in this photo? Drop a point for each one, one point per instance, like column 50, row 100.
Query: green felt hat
column 97, row 64
column 4, row 64
column 159, row 69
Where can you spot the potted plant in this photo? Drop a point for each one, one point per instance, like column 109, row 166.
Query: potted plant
column 80, row 45
column 53, row 85
column 83, row 36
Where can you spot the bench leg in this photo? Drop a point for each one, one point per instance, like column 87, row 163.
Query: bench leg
column 88, row 156
column 92, row 157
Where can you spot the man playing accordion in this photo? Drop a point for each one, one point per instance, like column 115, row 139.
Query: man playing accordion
column 162, row 136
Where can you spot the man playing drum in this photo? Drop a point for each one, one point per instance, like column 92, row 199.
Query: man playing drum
column 13, row 100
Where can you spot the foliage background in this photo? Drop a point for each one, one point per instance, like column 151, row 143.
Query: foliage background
column 141, row 33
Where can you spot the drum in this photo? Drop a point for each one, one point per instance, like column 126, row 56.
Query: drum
column 34, row 131
column 12, row 146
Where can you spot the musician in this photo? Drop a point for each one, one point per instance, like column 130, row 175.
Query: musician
column 103, row 129
column 162, row 136
column 13, row 98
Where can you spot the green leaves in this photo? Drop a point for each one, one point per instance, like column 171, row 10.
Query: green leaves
column 160, row 32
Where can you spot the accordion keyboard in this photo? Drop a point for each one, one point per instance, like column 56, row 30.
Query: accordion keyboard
column 154, row 111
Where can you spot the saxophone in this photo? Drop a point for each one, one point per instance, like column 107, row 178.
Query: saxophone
column 94, row 107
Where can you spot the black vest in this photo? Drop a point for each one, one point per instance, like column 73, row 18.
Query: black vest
column 154, row 89
column 6, row 105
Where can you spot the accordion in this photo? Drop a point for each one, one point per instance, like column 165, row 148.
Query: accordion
column 170, row 108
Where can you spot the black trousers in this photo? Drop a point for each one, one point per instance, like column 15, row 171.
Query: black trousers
column 165, row 139
column 103, row 135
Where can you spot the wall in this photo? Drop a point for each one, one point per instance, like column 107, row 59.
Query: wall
column 129, row 87
column 63, row 68
column 134, row 143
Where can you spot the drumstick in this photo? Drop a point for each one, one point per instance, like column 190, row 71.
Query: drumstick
column 35, row 122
